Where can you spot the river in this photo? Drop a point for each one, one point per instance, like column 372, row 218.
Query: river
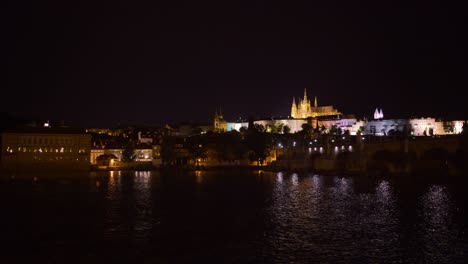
column 230, row 217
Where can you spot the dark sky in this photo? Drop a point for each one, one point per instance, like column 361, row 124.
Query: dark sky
column 103, row 63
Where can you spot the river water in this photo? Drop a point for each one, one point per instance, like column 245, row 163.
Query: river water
column 230, row 217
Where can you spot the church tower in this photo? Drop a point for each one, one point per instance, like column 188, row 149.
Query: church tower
column 294, row 109
column 219, row 124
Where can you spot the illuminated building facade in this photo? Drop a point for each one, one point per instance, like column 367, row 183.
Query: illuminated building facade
column 45, row 148
column 140, row 155
column 380, row 127
column 303, row 109
column 219, row 124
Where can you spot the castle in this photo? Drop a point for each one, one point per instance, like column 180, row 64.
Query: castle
column 304, row 109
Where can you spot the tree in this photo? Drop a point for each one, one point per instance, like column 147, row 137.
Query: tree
column 168, row 154
column 197, row 131
column 128, row 154
column 306, row 128
column 259, row 145
column 198, row 153
column 277, row 127
column 323, row 129
column 334, row 130
column 361, row 129
column 286, row 129
column 347, row 134
column 259, row 127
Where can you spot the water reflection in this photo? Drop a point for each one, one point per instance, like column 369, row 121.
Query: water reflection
column 129, row 209
column 383, row 192
column 438, row 231
column 165, row 217
column 312, row 217
column 294, row 179
column 436, row 207
column 199, row 176
column 279, row 177
column 143, row 203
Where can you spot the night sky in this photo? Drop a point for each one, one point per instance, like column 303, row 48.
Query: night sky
column 98, row 63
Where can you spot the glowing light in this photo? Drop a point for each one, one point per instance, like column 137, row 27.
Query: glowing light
column 279, row 177
column 294, row 179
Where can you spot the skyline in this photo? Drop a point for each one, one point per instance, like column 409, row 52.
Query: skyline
column 105, row 64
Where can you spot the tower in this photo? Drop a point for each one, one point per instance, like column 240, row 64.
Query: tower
column 219, row 124
column 294, row 109
column 376, row 113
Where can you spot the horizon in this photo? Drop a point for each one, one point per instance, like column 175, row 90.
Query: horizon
column 30, row 120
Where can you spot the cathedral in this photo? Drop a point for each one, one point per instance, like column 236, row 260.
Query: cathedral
column 304, row 109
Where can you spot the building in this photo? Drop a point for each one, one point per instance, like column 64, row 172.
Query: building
column 304, row 109
column 36, row 148
column 140, row 154
column 219, row 123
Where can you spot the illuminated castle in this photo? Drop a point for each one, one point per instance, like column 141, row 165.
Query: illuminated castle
column 304, row 109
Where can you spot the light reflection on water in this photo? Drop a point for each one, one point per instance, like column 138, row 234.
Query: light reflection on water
column 129, row 208
column 244, row 217
column 332, row 222
column 437, row 230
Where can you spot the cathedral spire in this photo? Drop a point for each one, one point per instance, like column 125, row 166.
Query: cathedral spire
column 315, row 102
column 294, row 108
column 305, row 94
